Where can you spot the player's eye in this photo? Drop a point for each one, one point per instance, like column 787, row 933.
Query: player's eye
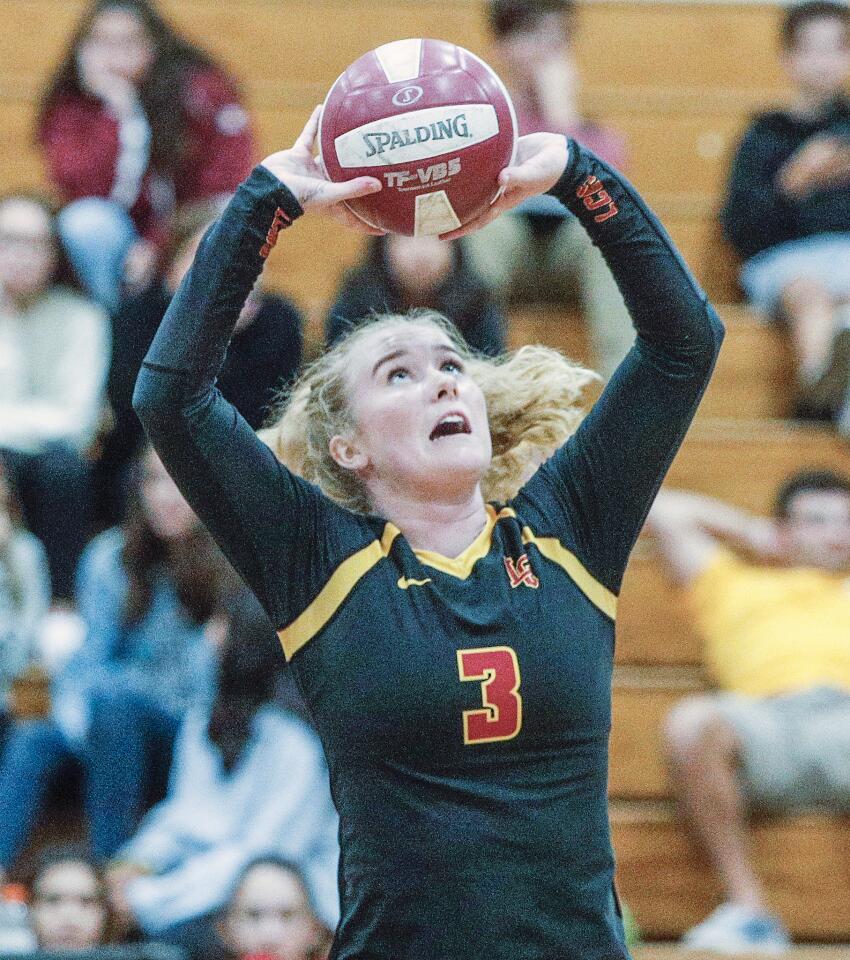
column 451, row 366
column 398, row 375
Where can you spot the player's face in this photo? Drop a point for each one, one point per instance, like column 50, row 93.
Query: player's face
column 270, row 916
column 819, row 60
column 816, row 532
column 421, row 420
column 68, row 910
column 119, row 42
column 27, row 249
column 167, row 513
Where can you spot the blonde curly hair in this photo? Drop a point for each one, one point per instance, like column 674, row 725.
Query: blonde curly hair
column 532, row 398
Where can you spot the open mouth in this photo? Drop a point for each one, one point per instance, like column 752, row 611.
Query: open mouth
column 450, row 425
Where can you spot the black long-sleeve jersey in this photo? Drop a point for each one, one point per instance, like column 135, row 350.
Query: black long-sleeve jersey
column 464, row 703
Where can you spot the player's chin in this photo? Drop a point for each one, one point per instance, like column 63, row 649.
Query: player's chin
column 459, row 455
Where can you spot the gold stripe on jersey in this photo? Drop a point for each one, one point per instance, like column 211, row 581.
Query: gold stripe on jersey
column 599, row 595
column 461, row 565
column 345, row 578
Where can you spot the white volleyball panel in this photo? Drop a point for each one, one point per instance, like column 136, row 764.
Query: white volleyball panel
column 434, row 214
column 417, row 135
column 400, row 60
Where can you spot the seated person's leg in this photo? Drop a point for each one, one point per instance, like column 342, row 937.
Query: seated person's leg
column 609, row 326
column 98, row 234
column 33, row 753
column 728, row 753
column 54, row 488
column 499, row 252
column 801, row 283
column 820, row 720
column 127, row 737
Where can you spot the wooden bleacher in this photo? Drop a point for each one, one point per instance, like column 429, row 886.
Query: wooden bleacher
column 681, row 81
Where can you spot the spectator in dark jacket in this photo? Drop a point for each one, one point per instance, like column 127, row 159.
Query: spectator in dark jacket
column 263, row 357
column 788, row 206
column 399, row 273
column 136, row 120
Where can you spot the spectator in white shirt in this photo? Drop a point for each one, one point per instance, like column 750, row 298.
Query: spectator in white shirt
column 248, row 779
column 54, row 356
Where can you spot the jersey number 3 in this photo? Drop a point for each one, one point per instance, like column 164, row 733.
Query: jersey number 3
column 497, row 670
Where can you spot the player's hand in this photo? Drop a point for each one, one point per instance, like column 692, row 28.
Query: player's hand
column 302, row 172
column 541, row 159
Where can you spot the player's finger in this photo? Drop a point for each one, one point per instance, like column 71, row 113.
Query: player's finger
column 307, row 137
column 350, row 189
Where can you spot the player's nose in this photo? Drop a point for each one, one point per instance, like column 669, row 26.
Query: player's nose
column 444, row 385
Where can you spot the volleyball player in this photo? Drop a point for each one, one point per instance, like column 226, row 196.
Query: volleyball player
column 456, row 654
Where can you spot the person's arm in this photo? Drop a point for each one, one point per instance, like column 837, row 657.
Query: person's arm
column 598, row 487
column 689, row 528
column 80, row 144
column 258, row 512
column 755, row 215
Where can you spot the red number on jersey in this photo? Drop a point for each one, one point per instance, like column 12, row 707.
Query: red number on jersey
column 497, row 669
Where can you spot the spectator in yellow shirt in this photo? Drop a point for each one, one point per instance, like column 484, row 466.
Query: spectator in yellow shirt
column 771, row 599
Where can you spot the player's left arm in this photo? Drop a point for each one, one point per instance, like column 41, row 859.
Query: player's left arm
column 601, row 483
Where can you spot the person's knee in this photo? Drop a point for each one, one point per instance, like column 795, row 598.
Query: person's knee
column 802, row 291
column 694, row 729
column 93, row 222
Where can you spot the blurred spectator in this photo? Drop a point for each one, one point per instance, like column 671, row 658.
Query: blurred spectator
column 263, row 355
column 54, row 354
column 270, row 915
column 399, row 273
column 24, row 595
column 775, row 617
column 145, row 591
column 136, row 119
column 68, row 907
column 540, row 251
column 248, row 780
column 788, row 206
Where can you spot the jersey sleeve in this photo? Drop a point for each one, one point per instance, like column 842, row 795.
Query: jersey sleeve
column 595, row 491
column 281, row 534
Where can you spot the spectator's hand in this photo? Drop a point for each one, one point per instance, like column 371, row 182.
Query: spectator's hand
column 302, row 172
column 140, row 266
column 118, row 878
column 97, row 79
column 541, row 159
column 821, row 162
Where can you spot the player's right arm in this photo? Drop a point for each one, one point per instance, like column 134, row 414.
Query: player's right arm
column 689, row 529
column 257, row 511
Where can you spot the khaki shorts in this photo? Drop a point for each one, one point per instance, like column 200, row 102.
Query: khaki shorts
column 795, row 749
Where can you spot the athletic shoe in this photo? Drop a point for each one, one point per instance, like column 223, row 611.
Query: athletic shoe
column 732, row 928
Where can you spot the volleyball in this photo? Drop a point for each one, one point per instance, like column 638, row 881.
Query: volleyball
column 429, row 119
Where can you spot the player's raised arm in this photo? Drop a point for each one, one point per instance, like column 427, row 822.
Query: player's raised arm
column 604, row 479
column 230, row 477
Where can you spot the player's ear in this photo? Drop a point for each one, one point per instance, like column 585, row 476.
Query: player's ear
column 347, row 453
